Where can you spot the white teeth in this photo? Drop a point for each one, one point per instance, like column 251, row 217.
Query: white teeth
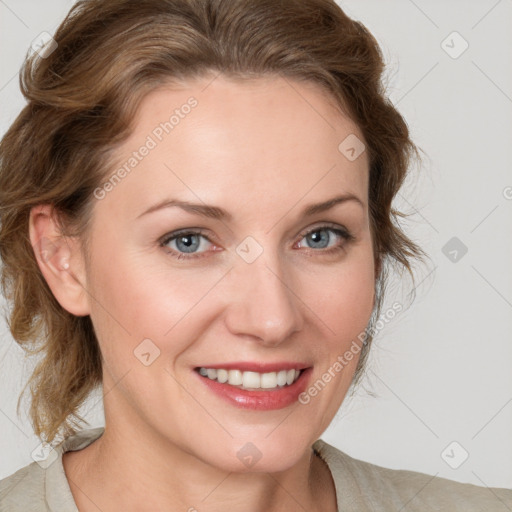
column 281, row 377
column 268, row 380
column 222, row 376
column 235, row 377
column 251, row 380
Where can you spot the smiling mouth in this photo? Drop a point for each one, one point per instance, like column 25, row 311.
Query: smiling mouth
column 251, row 381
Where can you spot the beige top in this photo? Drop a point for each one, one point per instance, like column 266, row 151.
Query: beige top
column 360, row 486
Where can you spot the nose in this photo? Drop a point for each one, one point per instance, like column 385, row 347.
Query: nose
column 263, row 302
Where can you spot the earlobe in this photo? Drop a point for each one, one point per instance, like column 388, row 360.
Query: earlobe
column 60, row 260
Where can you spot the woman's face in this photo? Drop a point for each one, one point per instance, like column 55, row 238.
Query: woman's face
column 244, row 285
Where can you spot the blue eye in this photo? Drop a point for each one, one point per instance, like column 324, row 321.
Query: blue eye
column 191, row 243
column 322, row 241
column 186, row 243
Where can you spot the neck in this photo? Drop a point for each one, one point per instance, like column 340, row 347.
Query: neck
column 131, row 468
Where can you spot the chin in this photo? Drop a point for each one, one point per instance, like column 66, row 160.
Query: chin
column 257, row 456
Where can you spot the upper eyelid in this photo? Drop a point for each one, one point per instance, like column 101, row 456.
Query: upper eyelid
column 325, row 225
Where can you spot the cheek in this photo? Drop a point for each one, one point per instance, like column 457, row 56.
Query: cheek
column 135, row 301
column 343, row 300
column 344, row 297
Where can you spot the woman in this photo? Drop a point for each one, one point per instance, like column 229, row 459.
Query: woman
column 196, row 215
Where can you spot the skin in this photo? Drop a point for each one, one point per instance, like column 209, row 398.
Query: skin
column 262, row 150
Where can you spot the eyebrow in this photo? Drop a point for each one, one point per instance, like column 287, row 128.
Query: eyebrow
column 218, row 213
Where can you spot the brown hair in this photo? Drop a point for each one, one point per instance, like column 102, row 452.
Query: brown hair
column 81, row 101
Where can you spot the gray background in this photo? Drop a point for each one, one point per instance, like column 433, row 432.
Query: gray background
column 441, row 369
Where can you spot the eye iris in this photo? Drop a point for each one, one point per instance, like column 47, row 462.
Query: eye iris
column 190, row 246
column 324, row 237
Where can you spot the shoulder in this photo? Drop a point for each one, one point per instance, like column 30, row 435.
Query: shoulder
column 23, row 490
column 383, row 489
column 42, row 485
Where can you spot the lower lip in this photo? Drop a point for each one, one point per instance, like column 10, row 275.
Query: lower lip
column 267, row 400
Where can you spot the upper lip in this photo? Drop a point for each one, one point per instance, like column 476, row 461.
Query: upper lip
column 247, row 366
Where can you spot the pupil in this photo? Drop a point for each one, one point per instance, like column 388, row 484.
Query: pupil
column 319, row 237
column 187, row 243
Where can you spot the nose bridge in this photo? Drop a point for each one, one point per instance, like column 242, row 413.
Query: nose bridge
column 264, row 303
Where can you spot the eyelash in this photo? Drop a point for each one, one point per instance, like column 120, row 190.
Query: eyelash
column 343, row 233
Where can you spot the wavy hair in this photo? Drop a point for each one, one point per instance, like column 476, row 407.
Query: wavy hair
column 81, row 100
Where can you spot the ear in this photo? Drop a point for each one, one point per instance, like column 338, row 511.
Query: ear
column 60, row 260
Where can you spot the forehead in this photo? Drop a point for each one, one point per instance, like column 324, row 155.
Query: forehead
column 264, row 138
column 269, row 105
